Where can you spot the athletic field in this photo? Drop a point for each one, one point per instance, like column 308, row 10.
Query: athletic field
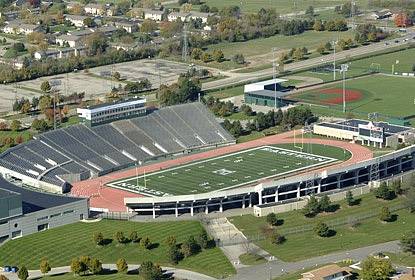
column 224, row 172
column 390, row 96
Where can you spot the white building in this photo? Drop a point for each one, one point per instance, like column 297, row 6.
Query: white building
column 20, row 28
column 61, row 53
column 76, row 20
column 174, row 16
column 156, row 15
column 72, row 41
column 198, row 15
column 95, row 9
column 128, row 26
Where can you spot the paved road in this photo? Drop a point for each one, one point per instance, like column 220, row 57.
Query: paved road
column 278, row 268
column 178, row 273
column 237, row 78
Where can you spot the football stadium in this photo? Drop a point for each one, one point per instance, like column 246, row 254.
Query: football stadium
column 127, row 157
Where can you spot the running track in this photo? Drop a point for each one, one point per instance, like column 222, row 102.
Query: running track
column 104, row 197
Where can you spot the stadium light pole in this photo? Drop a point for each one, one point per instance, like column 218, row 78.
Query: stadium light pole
column 274, row 76
column 334, row 43
column 344, row 69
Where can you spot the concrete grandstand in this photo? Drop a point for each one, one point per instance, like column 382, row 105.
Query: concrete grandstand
column 56, row 159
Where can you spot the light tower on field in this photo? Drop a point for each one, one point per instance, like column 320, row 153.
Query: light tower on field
column 344, row 69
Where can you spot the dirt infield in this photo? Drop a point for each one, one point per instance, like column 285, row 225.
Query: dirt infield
column 351, row 95
column 103, row 197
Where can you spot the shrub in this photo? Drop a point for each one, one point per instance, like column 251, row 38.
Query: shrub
column 385, row 215
column 122, row 265
column 384, row 192
column 272, row 219
column 322, row 229
column 276, row 238
column 98, row 238
column 145, row 243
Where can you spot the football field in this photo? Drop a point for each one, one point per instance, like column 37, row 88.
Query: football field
column 224, row 172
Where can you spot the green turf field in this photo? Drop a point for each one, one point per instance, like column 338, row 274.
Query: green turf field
column 224, row 172
column 391, row 96
column 282, row 6
column 60, row 245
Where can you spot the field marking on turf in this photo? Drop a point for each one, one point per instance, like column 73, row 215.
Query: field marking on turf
column 277, row 150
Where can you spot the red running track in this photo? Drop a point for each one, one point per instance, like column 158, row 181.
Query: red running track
column 112, row 199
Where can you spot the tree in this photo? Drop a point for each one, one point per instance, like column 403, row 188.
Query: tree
column 324, row 203
column 44, row 266
column 45, row 102
column 189, row 247
column 310, row 11
column 384, row 192
column 45, row 86
column 23, row 274
column 98, row 238
column 318, row 25
column 218, row 55
column 3, row 126
column 174, row 254
column 298, row 54
column 119, row 236
column 122, row 265
column 40, row 125
column 350, row 199
column 407, row 242
column 2, row 277
column 145, row 243
column 89, row 22
column 322, row 230
column 196, row 53
column 385, row 215
column 321, row 49
column 134, row 237
column 238, row 58
column 148, row 26
column 76, row 266
column 203, row 239
column 171, row 241
column 149, row 271
column 376, row 269
column 272, row 219
column 116, row 75
column 95, row 266
column 206, row 57
column 312, row 207
column 96, row 43
column 25, row 107
column 276, row 238
column 15, row 125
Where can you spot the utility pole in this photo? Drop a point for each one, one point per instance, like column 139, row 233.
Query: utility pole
column 344, row 69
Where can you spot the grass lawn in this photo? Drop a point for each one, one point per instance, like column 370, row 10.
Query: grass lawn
column 226, row 93
column 251, row 259
column 388, row 95
column 109, row 276
column 403, row 259
column 307, row 244
column 281, row 6
column 239, row 116
column 309, row 39
column 61, row 245
column 229, row 171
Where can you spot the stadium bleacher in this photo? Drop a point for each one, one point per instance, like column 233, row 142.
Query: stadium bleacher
column 102, row 149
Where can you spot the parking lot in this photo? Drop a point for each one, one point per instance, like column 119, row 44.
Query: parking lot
column 97, row 82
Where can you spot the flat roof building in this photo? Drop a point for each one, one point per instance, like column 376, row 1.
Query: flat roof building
column 266, row 93
column 109, row 112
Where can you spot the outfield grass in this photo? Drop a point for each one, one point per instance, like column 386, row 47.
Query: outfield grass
column 61, row 245
column 306, row 244
column 309, row 39
column 388, row 95
column 228, row 171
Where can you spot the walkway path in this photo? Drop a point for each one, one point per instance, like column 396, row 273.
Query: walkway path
column 113, row 199
column 179, row 273
column 277, row 268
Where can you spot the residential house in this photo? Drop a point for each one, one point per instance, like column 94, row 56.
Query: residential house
column 95, row 9
column 156, row 15
column 76, row 20
column 198, row 15
column 81, row 32
column 18, row 27
column 383, row 14
column 72, row 41
column 329, row 272
column 129, row 26
column 60, row 53
column 107, row 30
column 174, row 16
